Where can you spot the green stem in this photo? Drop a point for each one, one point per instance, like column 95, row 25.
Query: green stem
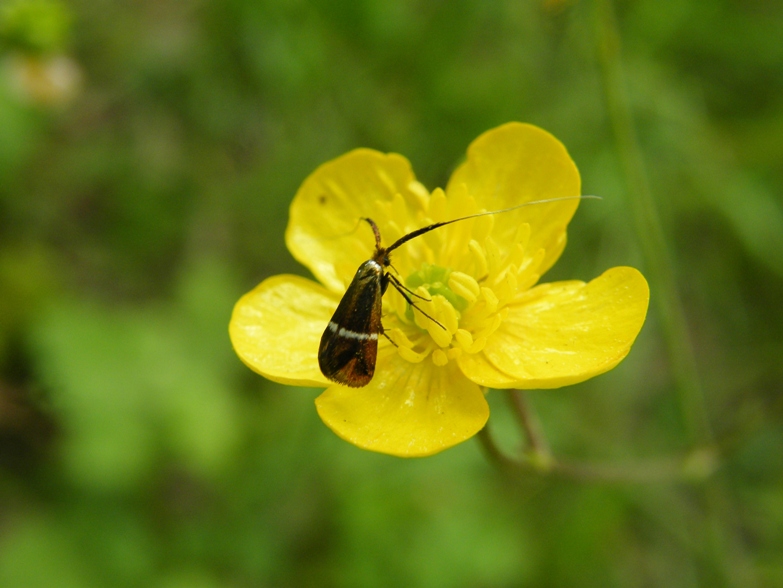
column 493, row 451
column 528, row 419
column 661, row 271
column 691, row 468
column 660, row 268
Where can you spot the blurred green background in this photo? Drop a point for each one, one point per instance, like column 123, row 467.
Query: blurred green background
column 148, row 154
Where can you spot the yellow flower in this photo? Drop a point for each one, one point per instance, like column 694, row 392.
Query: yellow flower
column 479, row 275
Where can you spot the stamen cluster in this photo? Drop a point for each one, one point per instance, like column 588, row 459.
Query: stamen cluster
column 468, row 305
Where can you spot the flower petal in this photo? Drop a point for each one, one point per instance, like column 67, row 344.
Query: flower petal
column 322, row 232
column 276, row 328
column 563, row 333
column 408, row 410
column 516, row 163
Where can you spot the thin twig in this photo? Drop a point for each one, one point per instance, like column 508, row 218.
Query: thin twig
column 660, row 470
column 694, row 467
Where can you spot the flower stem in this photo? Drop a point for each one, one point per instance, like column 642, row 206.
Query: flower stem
column 493, row 451
column 694, row 467
column 528, row 419
column 650, row 231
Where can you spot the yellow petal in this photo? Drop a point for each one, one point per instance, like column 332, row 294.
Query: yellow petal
column 563, row 333
column 408, row 410
column 517, row 163
column 276, row 329
column 324, row 230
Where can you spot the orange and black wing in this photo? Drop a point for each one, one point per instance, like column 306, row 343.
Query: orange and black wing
column 349, row 345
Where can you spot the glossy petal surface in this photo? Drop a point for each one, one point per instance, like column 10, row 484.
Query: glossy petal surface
column 516, row 163
column 408, row 409
column 325, row 232
column 477, row 322
column 276, row 328
column 563, row 333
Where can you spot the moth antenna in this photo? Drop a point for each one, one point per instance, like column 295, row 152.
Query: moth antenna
column 375, row 231
column 428, row 228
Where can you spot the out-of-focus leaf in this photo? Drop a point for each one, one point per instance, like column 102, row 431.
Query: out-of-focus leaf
column 35, row 25
column 38, row 551
column 757, row 219
column 124, row 380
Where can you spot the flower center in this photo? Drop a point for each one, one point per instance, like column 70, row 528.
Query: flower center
column 435, row 280
column 460, row 304
column 460, row 315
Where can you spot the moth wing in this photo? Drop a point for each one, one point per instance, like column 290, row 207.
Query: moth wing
column 349, row 345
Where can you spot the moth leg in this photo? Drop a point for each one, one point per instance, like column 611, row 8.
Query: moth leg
column 401, row 289
column 383, row 332
column 403, row 286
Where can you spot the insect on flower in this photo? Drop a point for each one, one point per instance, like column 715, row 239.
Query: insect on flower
column 470, row 312
column 349, row 345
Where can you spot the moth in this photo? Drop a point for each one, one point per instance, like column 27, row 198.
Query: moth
column 349, row 345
